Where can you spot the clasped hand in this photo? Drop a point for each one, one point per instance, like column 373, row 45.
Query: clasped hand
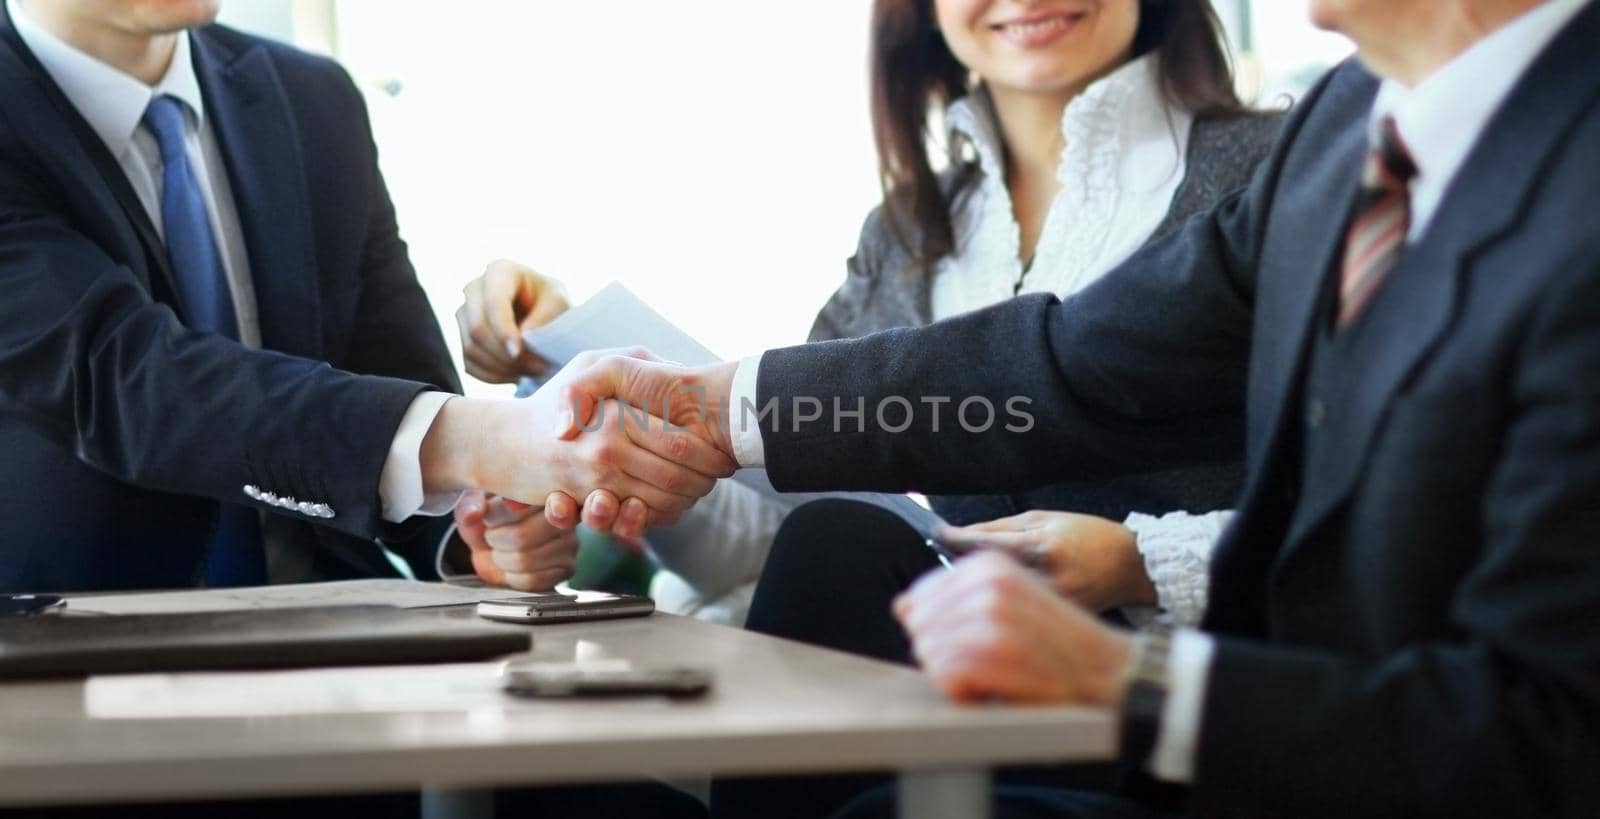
column 690, row 404
column 569, row 440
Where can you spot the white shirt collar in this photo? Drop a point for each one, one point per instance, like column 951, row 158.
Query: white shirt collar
column 1441, row 119
column 1096, row 120
column 113, row 103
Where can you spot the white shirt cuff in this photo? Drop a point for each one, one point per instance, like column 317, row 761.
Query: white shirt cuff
column 744, row 428
column 1188, row 671
column 400, row 484
column 1176, row 550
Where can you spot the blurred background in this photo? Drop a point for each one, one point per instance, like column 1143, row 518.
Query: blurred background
column 705, row 154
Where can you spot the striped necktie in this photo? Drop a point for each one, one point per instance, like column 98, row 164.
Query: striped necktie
column 236, row 557
column 1382, row 218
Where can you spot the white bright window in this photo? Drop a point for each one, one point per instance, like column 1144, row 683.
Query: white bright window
column 715, row 155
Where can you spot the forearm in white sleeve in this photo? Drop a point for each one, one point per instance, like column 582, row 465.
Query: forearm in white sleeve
column 400, row 483
column 1176, row 549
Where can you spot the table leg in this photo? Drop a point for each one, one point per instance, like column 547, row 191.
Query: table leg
column 457, row 804
column 945, row 795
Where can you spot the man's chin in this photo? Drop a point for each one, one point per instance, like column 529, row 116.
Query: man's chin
column 1325, row 14
column 173, row 16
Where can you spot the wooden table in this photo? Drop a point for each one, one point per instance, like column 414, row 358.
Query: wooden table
column 777, row 708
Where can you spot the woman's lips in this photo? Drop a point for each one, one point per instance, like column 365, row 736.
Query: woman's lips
column 1032, row 32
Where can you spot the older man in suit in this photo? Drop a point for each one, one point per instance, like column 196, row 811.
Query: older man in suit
column 216, row 364
column 1405, row 303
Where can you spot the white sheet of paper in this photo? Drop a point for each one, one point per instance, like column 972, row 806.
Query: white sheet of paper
column 454, row 687
column 408, row 594
column 615, row 317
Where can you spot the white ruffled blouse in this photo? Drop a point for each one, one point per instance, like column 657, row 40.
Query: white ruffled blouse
column 1124, row 158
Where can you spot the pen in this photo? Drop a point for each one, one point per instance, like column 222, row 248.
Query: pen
column 947, row 557
column 1032, row 559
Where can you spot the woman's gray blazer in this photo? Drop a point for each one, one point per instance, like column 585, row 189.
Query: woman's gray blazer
column 886, row 287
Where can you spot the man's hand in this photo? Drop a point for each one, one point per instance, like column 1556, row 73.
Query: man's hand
column 1089, row 559
column 693, row 399
column 990, row 628
column 506, row 300
column 524, row 451
column 513, row 545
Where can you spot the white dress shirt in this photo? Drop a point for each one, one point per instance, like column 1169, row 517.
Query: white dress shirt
column 1124, row 154
column 1440, row 120
column 113, row 103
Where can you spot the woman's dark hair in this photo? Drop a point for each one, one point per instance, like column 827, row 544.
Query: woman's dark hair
column 913, row 72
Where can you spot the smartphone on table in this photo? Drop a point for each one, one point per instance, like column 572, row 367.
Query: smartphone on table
column 557, row 607
column 530, row 678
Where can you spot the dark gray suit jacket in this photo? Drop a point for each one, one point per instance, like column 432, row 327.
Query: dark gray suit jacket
column 886, row 287
column 1417, row 632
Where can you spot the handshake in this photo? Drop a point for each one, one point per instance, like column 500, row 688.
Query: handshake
column 638, row 440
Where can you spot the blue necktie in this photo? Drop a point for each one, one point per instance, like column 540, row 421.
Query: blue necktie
column 236, row 557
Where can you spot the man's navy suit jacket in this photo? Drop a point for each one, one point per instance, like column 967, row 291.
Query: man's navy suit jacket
column 1411, row 626
column 120, row 429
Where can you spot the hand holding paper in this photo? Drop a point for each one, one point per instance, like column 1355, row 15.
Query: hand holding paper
column 499, row 306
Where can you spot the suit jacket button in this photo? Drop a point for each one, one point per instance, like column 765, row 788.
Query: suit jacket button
column 1316, row 413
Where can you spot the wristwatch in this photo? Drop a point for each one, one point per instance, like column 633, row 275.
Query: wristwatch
column 1145, row 693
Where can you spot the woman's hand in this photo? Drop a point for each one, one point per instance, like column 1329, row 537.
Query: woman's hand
column 506, row 300
column 513, row 545
column 1089, row 559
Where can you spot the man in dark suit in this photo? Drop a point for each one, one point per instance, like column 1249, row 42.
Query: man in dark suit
column 1404, row 305
column 215, row 361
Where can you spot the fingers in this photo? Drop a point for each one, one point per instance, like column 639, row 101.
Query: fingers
column 555, row 563
column 544, row 307
column 561, row 511
column 498, row 305
column 524, row 546
column 632, row 520
column 469, row 514
column 592, row 378
column 502, row 512
column 516, row 299
column 485, row 352
column 529, row 553
column 969, row 632
column 678, row 446
column 501, row 288
column 600, row 510
column 480, row 364
column 968, row 538
column 630, row 470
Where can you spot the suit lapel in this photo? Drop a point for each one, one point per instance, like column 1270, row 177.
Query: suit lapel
column 67, row 144
column 1304, row 261
column 256, row 130
column 1483, row 203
